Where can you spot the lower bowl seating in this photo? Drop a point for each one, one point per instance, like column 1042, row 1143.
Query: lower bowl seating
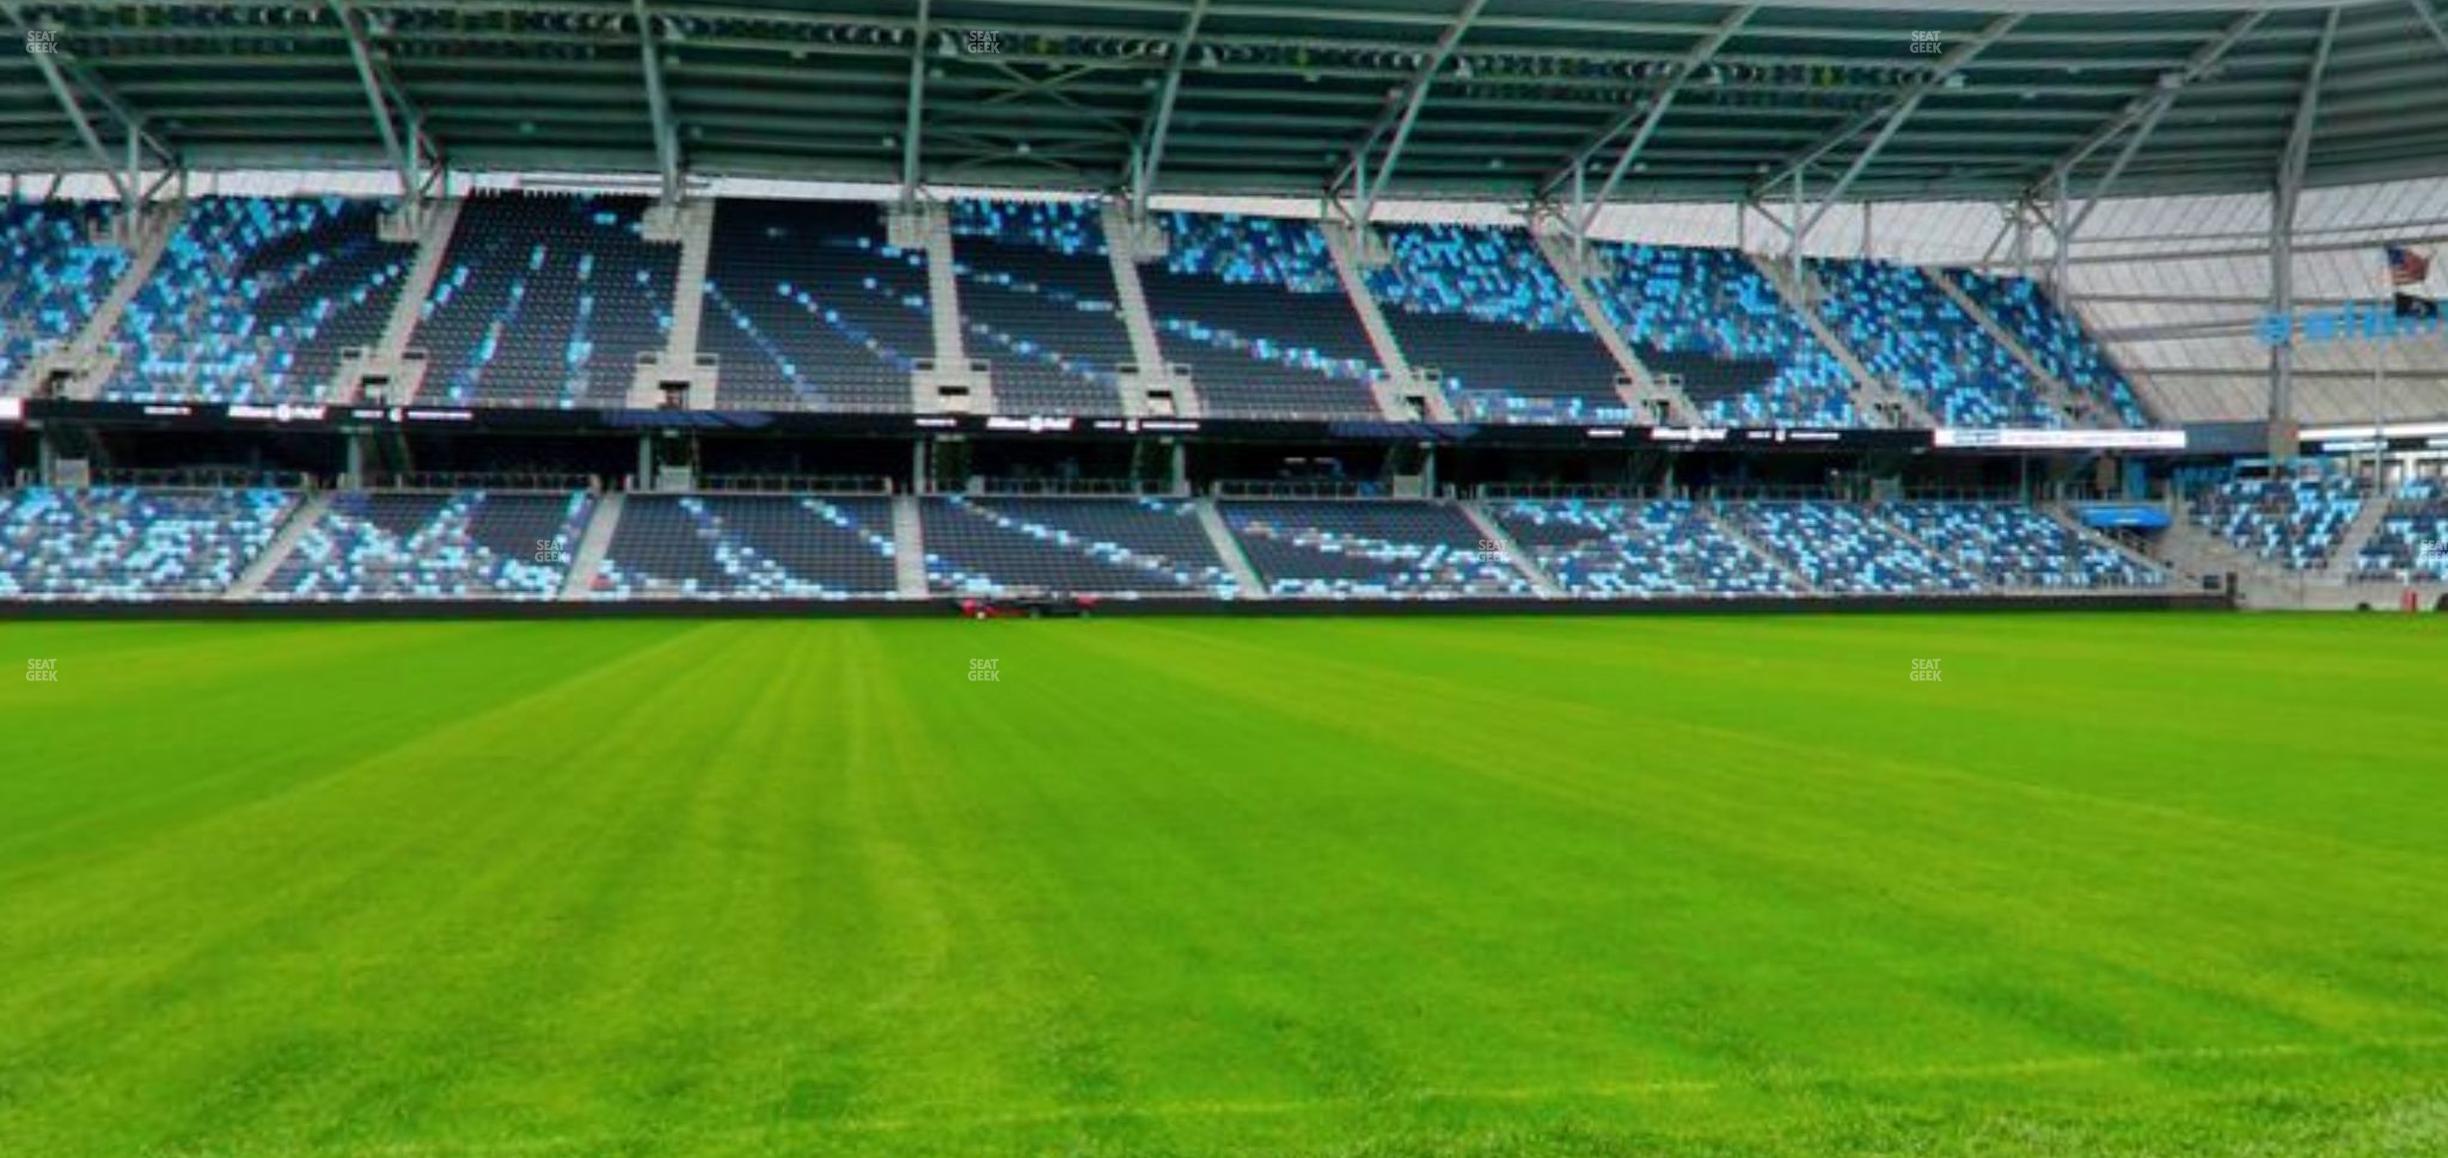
column 123, row 543
column 1637, row 549
column 1841, row 550
column 1115, row 547
column 2412, row 538
column 1379, row 549
column 2015, row 546
column 749, row 547
column 435, row 545
column 2295, row 523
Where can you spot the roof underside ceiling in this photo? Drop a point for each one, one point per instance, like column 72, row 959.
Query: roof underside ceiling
column 1274, row 96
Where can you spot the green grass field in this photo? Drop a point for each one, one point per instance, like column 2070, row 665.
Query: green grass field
column 2112, row 885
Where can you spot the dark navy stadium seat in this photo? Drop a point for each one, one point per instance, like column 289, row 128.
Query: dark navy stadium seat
column 808, row 308
column 546, row 300
column 1037, row 291
column 1254, row 307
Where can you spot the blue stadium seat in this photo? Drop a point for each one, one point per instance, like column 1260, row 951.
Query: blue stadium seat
column 434, row 545
column 1709, row 317
column 53, row 278
column 1037, row 292
column 808, row 308
column 1115, row 547
column 2412, row 538
column 1636, row 549
column 2011, row 545
column 750, row 547
column 1384, row 549
column 1483, row 307
column 1840, row 549
column 2057, row 340
column 2295, row 523
column 255, row 299
column 1254, row 307
column 546, row 300
column 1906, row 329
column 125, row 543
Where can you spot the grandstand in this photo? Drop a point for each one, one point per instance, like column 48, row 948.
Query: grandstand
column 1660, row 577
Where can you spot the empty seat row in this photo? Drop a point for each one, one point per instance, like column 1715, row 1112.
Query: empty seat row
column 255, row 299
column 434, row 545
column 2056, row 339
column 2295, row 523
column 1375, row 549
column 2015, row 546
column 1255, row 307
column 1710, row 318
column 749, row 547
column 1484, row 309
column 1038, row 297
column 129, row 544
column 53, row 278
column 1840, row 549
column 2412, row 538
column 1638, row 549
column 1131, row 547
column 1906, row 329
column 546, row 300
column 809, row 308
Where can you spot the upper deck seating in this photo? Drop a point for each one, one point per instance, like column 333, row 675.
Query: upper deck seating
column 2057, row 340
column 1254, row 307
column 809, row 308
column 546, row 300
column 1483, row 307
column 1906, row 329
column 53, row 277
column 1708, row 317
column 255, row 298
column 1037, row 292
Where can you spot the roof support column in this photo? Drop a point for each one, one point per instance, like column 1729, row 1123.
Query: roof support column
column 1365, row 189
column 1147, row 157
column 658, row 106
column 2288, row 192
column 406, row 155
column 911, row 125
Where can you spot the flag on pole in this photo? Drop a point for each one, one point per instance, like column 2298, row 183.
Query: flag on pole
column 2406, row 268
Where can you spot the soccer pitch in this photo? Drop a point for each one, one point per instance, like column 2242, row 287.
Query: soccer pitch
column 2137, row 884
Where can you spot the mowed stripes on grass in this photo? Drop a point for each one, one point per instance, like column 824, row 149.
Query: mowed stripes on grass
column 2111, row 884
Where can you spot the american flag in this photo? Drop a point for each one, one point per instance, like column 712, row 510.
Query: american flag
column 2407, row 267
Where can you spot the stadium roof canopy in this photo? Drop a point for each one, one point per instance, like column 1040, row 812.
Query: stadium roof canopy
column 1486, row 99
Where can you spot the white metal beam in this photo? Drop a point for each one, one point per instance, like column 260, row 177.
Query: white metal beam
column 1655, row 113
column 1148, row 158
column 1355, row 171
column 73, row 84
column 2150, row 104
column 2282, row 235
column 658, row 105
column 1894, row 112
column 371, row 74
column 913, row 119
column 2431, row 21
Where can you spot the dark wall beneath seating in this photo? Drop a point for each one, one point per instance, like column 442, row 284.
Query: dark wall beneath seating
column 943, row 608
